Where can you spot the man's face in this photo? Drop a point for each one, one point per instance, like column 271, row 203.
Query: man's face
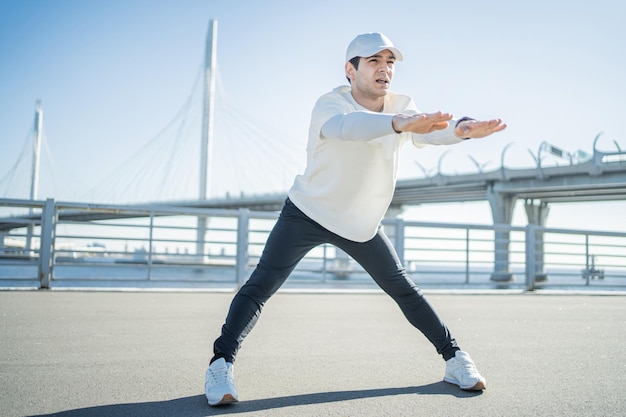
column 373, row 77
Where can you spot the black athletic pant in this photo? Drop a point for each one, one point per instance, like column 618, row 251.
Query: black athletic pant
column 292, row 237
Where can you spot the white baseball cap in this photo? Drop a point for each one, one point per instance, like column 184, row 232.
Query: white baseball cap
column 368, row 44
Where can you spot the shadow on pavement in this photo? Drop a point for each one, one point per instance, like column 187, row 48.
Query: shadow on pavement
column 196, row 406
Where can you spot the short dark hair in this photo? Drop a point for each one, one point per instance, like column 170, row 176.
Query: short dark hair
column 355, row 62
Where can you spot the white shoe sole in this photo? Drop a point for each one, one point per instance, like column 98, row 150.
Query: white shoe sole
column 479, row 386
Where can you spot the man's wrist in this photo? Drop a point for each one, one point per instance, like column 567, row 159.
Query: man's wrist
column 461, row 120
column 393, row 125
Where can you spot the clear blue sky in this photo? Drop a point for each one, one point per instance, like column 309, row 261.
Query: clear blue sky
column 111, row 75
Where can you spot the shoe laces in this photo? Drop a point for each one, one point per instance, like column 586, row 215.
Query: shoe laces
column 220, row 376
column 468, row 366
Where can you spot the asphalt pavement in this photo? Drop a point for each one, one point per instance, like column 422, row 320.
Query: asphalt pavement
column 144, row 353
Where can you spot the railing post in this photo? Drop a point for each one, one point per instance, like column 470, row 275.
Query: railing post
column 324, row 262
column 467, row 255
column 587, row 256
column 46, row 243
column 243, row 231
column 150, row 245
column 531, row 268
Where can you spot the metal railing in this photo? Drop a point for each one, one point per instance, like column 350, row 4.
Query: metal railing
column 46, row 244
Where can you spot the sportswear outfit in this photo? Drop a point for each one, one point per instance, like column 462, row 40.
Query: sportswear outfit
column 340, row 199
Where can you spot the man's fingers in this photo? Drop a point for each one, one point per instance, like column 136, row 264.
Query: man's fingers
column 499, row 128
column 497, row 123
column 479, row 129
column 494, row 126
column 421, row 123
column 438, row 120
column 440, row 125
column 438, row 116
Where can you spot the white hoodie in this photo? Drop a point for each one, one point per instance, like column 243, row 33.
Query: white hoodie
column 352, row 162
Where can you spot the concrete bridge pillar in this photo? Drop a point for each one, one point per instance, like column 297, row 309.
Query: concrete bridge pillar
column 502, row 206
column 537, row 215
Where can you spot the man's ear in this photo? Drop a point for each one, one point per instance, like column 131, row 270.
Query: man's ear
column 350, row 71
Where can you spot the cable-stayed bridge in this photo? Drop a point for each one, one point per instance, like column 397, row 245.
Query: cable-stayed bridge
column 246, row 163
column 597, row 177
column 165, row 171
column 253, row 164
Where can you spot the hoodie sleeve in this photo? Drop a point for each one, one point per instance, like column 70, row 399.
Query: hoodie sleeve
column 358, row 126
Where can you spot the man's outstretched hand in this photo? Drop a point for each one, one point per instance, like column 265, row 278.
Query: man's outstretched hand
column 421, row 123
column 478, row 129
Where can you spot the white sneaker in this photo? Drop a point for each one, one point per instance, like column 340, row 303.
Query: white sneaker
column 461, row 371
column 219, row 385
